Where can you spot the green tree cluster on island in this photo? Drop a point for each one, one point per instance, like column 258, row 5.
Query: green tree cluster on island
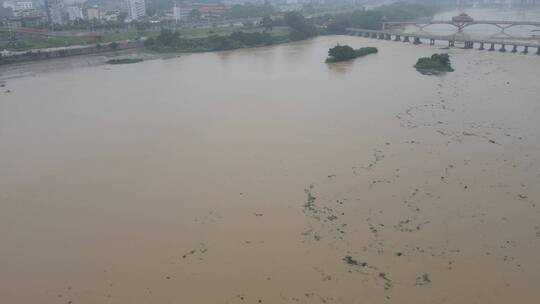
column 435, row 63
column 345, row 52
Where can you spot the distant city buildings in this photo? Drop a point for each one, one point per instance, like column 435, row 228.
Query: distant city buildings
column 136, row 9
column 74, row 13
column 17, row 6
column 93, row 13
column 55, row 11
column 68, row 12
column 182, row 11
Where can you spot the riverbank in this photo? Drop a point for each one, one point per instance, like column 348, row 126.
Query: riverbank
column 175, row 42
column 70, row 51
column 192, row 41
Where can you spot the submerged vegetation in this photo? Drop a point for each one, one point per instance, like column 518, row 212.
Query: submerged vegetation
column 435, row 64
column 124, row 60
column 345, row 52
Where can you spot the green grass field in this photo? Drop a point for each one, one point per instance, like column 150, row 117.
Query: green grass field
column 225, row 31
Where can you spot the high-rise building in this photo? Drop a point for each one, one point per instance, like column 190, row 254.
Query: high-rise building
column 136, row 9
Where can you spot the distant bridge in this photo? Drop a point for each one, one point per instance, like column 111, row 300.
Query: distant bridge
column 468, row 43
column 501, row 25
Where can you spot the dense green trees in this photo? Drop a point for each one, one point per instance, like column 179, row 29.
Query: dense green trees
column 301, row 27
column 435, row 63
column 267, row 23
column 341, row 52
column 373, row 19
column 169, row 41
column 345, row 52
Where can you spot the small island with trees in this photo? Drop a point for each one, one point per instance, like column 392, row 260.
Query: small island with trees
column 344, row 52
column 435, row 64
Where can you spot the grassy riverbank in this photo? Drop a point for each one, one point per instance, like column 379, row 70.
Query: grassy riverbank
column 30, row 42
column 124, row 61
column 175, row 42
column 42, row 42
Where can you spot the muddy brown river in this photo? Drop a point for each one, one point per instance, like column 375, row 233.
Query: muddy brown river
column 266, row 176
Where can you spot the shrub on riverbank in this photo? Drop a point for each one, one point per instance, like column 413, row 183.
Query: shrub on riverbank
column 124, row 60
column 434, row 64
column 345, row 52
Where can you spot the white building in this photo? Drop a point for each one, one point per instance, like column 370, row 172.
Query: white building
column 180, row 12
column 18, row 6
column 92, row 13
column 74, row 13
column 136, row 9
column 21, row 6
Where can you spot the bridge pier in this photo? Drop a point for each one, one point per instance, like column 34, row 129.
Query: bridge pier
column 417, row 39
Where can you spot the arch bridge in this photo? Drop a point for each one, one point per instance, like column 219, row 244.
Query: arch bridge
column 468, row 43
column 502, row 25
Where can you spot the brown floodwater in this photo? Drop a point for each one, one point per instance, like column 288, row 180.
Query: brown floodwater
column 266, row 176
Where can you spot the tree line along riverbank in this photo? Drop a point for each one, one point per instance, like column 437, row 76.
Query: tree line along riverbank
column 292, row 26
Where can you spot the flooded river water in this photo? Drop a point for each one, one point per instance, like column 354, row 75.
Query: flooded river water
column 267, row 176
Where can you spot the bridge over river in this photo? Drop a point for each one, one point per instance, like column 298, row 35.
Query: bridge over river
column 463, row 21
column 501, row 45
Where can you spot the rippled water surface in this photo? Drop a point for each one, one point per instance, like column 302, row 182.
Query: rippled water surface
column 267, row 176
